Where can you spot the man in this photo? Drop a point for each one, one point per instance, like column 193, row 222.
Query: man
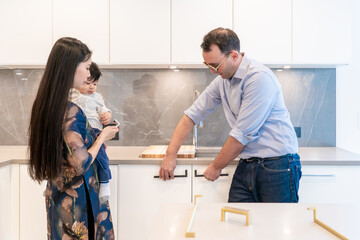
column 262, row 135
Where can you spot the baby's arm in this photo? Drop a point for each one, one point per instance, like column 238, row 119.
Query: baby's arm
column 105, row 113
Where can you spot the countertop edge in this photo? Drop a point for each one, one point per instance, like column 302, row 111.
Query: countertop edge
column 322, row 156
column 194, row 162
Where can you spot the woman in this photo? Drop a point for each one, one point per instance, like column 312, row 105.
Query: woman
column 63, row 147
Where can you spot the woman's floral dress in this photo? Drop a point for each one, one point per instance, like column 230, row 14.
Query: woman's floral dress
column 71, row 197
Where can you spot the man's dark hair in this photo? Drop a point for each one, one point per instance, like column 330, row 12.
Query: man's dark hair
column 94, row 72
column 224, row 38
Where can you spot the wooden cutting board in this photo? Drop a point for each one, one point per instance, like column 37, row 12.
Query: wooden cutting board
column 158, row 151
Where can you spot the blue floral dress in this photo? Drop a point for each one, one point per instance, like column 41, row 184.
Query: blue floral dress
column 72, row 200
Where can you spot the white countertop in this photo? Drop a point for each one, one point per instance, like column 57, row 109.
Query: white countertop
column 272, row 221
column 130, row 155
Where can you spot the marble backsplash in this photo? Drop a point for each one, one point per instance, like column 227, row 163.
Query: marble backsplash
column 149, row 103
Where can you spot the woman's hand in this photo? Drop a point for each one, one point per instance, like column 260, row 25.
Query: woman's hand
column 105, row 118
column 108, row 133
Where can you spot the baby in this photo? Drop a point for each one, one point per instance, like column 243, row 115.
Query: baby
column 98, row 115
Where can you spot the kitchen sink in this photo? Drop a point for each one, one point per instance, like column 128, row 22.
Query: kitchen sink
column 207, row 151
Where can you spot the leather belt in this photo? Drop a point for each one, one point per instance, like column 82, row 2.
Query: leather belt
column 257, row 159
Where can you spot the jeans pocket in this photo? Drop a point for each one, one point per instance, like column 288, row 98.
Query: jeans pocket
column 281, row 179
column 281, row 165
column 273, row 180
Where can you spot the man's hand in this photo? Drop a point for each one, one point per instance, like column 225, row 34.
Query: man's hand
column 167, row 167
column 228, row 153
column 168, row 164
column 212, row 173
column 105, row 118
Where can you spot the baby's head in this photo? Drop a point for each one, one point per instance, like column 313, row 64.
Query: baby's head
column 91, row 84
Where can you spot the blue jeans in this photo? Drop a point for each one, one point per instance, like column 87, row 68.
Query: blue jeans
column 266, row 180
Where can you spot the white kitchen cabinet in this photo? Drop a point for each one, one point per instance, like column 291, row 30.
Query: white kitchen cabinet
column 32, row 207
column 86, row 20
column 9, row 202
column 113, row 196
column 141, row 195
column 329, row 184
column 25, row 32
column 5, row 196
column 139, row 31
column 14, row 201
column 321, row 31
column 264, row 29
column 191, row 21
column 217, row 191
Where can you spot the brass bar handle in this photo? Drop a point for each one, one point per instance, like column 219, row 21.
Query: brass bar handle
column 195, row 197
column 178, row 176
column 342, row 237
column 188, row 233
column 226, row 210
column 202, row 175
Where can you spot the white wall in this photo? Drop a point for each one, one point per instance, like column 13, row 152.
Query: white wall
column 348, row 92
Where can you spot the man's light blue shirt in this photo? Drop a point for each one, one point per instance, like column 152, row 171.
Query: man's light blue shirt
column 254, row 108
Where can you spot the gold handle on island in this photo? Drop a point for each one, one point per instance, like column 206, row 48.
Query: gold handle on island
column 226, row 210
column 326, row 226
column 188, row 233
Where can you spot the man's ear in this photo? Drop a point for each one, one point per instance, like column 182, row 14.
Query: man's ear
column 234, row 55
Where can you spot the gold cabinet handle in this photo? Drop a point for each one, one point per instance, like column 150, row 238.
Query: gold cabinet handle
column 188, row 233
column 226, row 210
column 326, row 226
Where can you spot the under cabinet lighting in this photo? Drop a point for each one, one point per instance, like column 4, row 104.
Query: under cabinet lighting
column 279, row 70
column 176, row 70
column 286, row 67
column 173, row 67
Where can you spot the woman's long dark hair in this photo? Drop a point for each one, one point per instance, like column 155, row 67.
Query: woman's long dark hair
column 50, row 106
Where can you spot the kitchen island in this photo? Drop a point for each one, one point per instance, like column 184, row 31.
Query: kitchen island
column 272, row 221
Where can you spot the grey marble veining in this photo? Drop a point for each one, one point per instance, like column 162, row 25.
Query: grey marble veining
column 149, row 103
column 310, row 96
column 17, row 94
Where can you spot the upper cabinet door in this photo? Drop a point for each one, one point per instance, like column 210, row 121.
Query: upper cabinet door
column 264, row 29
column 86, row 20
column 139, row 31
column 25, row 32
column 191, row 21
column 321, row 31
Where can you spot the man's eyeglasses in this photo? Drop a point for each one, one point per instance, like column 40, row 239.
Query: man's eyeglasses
column 217, row 67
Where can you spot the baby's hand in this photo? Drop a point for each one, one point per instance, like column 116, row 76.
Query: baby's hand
column 105, row 118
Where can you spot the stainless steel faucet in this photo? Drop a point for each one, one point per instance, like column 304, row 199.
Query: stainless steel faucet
column 200, row 125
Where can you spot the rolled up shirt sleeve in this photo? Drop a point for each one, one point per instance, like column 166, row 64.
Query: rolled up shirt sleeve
column 207, row 102
column 259, row 95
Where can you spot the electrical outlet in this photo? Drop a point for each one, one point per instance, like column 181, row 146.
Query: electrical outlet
column 298, row 131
